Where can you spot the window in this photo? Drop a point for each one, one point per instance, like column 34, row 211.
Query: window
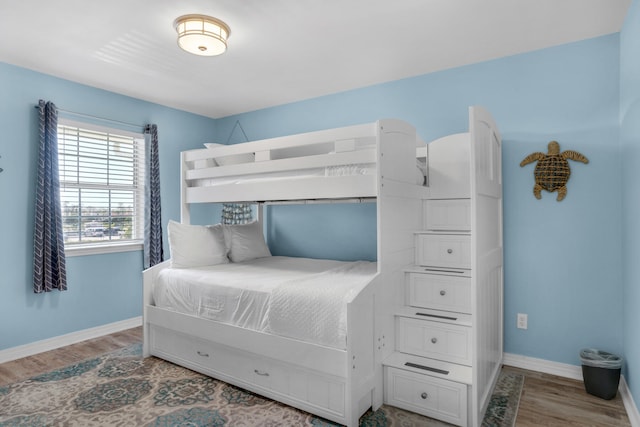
column 101, row 188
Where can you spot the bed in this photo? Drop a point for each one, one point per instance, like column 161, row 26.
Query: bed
column 253, row 338
column 299, row 298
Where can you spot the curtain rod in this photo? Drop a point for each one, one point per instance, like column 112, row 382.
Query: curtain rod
column 89, row 116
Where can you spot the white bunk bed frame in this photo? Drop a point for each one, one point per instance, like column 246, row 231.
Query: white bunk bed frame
column 339, row 385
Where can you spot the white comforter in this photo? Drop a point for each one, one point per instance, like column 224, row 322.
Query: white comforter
column 299, row 298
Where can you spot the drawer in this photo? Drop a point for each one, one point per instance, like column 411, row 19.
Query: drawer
column 300, row 384
column 442, row 341
column 202, row 355
column 433, row 397
column 443, row 250
column 447, row 215
column 438, row 292
column 251, row 371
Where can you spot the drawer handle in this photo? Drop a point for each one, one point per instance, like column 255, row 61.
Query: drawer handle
column 424, row 395
column 436, row 316
column 434, row 340
column 202, row 354
column 449, row 251
column 263, row 374
column 443, row 293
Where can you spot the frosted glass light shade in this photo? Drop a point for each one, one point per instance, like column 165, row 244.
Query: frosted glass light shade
column 202, row 35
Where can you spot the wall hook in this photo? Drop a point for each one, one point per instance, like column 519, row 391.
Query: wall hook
column 237, row 125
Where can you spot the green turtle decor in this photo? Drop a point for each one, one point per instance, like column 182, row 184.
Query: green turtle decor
column 552, row 170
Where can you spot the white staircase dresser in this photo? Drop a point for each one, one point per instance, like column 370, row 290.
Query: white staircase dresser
column 448, row 334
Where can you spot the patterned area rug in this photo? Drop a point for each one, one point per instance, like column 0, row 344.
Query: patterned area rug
column 503, row 406
column 123, row 389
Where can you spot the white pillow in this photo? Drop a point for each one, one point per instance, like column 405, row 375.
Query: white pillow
column 245, row 241
column 234, row 159
column 196, row 245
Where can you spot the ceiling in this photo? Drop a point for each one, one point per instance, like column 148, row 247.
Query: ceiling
column 282, row 51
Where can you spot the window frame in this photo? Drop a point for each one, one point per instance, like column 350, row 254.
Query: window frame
column 112, row 246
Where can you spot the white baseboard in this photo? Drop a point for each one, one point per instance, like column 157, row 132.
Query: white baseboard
column 545, row 366
column 629, row 403
column 573, row 372
column 67, row 339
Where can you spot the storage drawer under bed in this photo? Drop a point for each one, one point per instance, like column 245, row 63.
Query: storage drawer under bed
column 251, row 371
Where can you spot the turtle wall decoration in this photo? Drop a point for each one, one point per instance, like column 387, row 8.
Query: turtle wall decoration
column 552, row 170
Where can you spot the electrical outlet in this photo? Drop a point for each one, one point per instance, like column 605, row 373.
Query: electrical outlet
column 522, row 321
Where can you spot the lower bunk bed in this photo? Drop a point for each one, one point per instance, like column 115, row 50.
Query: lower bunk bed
column 297, row 330
column 337, row 374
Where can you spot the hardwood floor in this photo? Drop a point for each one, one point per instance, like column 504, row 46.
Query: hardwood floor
column 22, row 369
column 547, row 400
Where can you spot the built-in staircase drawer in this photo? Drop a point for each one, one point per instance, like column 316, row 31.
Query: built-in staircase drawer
column 443, row 250
column 438, row 340
column 447, row 215
column 434, row 397
column 439, row 292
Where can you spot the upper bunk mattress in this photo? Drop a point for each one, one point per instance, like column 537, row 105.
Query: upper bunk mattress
column 328, row 171
column 299, row 298
column 368, row 169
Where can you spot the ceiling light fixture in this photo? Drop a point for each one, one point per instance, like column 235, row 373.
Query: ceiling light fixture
column 202, row 35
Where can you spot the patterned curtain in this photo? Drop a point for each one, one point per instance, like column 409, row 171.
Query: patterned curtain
column 49, row 266
column 153, row 253
column 236, row 213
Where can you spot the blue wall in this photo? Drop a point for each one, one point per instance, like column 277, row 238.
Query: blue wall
column 630, row 147
column 562, row 259
column 102, row 288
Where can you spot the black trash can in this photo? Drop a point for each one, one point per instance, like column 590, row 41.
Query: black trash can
column 601, row 372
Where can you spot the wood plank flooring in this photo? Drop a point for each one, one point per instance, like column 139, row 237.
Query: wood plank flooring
column 547, row 400
column 22, row 369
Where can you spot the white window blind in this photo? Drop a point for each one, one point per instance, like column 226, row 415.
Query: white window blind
column 101, row 185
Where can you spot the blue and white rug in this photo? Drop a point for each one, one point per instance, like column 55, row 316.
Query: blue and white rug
column 123, row 389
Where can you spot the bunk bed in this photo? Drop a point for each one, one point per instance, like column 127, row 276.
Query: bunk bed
column 396, row 319
column 337, row 379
